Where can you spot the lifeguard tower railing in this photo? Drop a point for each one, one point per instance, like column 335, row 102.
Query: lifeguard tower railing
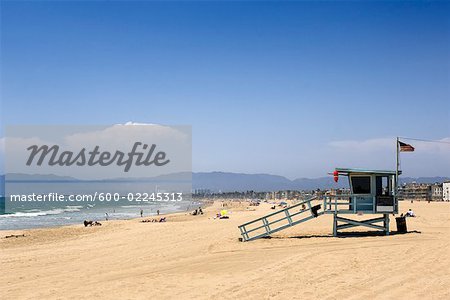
column 356, row 204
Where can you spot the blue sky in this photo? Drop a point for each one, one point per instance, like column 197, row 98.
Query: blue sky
column 288, row 88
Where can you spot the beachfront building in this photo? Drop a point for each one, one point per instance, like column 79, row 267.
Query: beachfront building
column 446, row 191
column 319, row 193
column 436, row 192
column 415, row 192
column 336, row 192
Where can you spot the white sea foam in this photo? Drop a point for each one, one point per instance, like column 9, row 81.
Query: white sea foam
column 37, row 213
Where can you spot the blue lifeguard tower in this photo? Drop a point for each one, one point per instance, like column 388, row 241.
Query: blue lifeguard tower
column 372, row 192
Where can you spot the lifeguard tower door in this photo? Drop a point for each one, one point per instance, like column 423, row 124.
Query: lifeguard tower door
column 385, row 201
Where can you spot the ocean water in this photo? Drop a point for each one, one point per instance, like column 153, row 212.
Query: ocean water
column 50, row 215
column 23, row 214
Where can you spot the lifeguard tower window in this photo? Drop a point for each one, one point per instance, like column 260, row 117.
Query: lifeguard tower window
column 382, row 186
column 361, row 184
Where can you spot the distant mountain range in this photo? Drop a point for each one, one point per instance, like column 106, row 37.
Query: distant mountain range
column 228, row 182
column 225, row 182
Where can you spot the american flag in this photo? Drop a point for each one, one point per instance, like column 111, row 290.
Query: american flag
column 405, row 147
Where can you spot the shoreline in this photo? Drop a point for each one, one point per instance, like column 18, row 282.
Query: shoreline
column 206, row 206
column 74, row 217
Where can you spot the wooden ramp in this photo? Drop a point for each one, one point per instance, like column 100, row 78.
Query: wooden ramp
column 281, row 219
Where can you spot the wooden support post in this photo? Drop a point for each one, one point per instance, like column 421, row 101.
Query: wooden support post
column 386, row 223
column 334, row 224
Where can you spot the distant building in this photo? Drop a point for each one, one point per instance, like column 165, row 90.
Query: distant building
column 436, row 192
column 415, row 191
column 202, row 192
column 319, row 193
column 446, row 191
column 335, row 192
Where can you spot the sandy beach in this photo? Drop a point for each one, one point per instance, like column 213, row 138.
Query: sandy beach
column 200, row 257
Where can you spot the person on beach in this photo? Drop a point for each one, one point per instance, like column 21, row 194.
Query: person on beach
column 157, row 212
column 200, row 211
column 106, row 216
column 142, row 213
column 410, row 213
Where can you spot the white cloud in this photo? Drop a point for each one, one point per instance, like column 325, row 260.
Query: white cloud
column 174, row 141
column 369, row 145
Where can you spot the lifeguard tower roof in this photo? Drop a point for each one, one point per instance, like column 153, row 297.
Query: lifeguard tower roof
column 346, row 171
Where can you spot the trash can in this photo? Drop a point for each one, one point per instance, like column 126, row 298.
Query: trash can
column 401, row 225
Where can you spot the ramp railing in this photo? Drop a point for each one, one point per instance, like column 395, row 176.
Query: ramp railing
column 281, row 219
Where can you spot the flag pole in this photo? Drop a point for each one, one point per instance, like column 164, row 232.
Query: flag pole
column 396, row 170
